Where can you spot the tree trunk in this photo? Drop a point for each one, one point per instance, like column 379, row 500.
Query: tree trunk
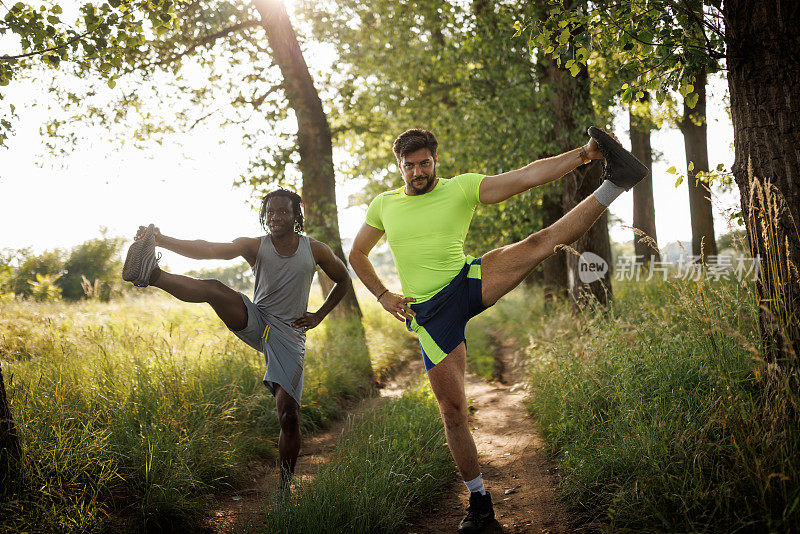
column 644, row 211
column 313, row 138
column 695, row 139
column 554, row 269
column 10, row 450
column 572, row 111
column 764, row 81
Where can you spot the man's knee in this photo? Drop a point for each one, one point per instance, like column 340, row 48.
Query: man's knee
column 289, row 420
column 215, row 286
column 454, row 413
column 288, row 412
column 538, row 240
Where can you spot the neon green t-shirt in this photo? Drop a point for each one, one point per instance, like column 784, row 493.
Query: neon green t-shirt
column 426, row 232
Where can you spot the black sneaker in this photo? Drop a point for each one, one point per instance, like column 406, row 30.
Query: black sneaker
column 621, row 167
column 480, row 513
column 141, row 260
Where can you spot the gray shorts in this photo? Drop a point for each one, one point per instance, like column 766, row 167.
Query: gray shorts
column 285, row 357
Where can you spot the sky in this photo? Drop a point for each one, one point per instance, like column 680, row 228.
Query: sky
column 185, row 186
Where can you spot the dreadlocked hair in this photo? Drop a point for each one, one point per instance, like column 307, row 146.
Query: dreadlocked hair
column 297, row 208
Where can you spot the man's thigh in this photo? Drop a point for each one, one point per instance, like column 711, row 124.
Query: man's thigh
column 447, row 379
column 502, row 269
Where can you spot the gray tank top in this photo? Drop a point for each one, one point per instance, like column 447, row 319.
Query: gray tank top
column 282, row 284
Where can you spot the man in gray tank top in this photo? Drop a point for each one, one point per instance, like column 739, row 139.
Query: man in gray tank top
column 276, row 320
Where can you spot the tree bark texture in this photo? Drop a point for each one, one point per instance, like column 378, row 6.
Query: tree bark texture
column 764, row 82
column 10, row 449
column 695, row 139
column 313, row 138
column 644, row 211
column 572, row 113
column 554, row 268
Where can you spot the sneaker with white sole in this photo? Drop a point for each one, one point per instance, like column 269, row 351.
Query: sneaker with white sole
column 141, row 259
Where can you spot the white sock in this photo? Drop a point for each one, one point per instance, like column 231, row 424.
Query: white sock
column 476, row 484
column 607, row 193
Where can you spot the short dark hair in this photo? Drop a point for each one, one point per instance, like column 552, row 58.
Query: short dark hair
column 297, row 208
column 413, row 140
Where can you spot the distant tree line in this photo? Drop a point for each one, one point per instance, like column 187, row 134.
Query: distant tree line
column 89, row 270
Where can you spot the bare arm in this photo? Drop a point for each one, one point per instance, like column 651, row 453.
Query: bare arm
column 501, row 187
column 336, row 271
column 198, row 249
column 364, row 242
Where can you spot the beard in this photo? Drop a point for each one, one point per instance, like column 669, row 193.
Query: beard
column 426, row 185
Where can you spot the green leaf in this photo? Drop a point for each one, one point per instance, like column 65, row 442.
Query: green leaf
column 574, row 69
column 679, row 181
column 691, row 166
column 672, row 170
column 112, row 83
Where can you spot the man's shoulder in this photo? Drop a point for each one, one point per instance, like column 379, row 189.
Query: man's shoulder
column 391, row 193
column 319, row 249
column 468, row 176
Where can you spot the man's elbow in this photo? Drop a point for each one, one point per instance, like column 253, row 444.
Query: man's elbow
column 354, row 257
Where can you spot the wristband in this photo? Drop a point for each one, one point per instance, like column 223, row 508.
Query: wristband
column 584, row 157
column 382, row 294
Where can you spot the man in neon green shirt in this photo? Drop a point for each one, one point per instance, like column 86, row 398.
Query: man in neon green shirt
column 426, row 222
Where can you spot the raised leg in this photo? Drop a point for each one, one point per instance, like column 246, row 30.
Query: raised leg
column 447, row 382
column 289, row 440
column 502, row 269
column 226, row 302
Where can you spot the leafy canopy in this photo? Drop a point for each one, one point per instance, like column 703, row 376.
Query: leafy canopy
column 659, row 44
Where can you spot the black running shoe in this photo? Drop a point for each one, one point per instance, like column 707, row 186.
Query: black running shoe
column 141, row 260
column 480, row 513
column 621, row 167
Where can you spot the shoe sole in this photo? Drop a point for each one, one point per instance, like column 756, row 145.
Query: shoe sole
column 618, row 152
column 132, row 268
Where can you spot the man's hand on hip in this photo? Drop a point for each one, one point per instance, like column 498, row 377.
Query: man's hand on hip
column 397, row 305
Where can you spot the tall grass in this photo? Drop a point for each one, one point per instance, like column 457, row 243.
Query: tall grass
column 659, row 414
column 390, row 343
column 133, row 411
column 508, row 321
column 390, row 464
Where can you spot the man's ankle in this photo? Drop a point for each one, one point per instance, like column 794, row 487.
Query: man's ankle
column 476, row 485
column 154, row 276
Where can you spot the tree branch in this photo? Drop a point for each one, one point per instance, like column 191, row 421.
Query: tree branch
column 46, row 50
column 205, row 40
column 208, row 39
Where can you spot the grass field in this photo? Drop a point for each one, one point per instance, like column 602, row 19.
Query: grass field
column 657, row 410
column 134, row 411
column 392, row 462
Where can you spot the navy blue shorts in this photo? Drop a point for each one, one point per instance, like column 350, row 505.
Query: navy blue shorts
column 441, row 320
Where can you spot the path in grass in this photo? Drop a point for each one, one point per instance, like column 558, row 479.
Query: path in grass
column 245, row 504
column 248, row 502
column 511, row 453
column 517, row 470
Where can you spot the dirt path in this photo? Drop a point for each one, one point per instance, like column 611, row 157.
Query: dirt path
column 246, row 503
column 251, row 500
column 517, row 471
